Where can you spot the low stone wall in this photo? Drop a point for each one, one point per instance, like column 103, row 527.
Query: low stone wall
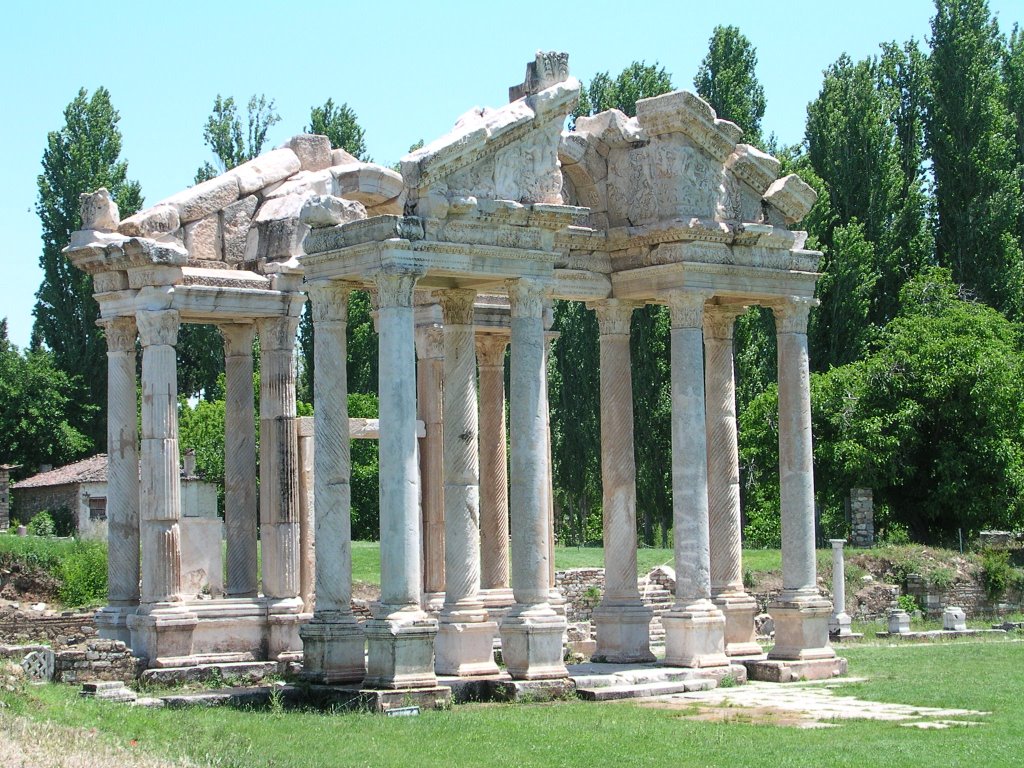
column 95, row 660
column 18, row 627
column 967, row 594
column 582, row 589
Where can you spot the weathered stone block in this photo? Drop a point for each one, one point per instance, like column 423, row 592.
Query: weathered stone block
column 313, row 151
column 205, row 198
column 202, row 238
column 235, row 222
column 99, row 211
column 266, row 169
column 158, row 220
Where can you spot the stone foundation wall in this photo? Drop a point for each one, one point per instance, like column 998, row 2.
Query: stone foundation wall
column 582, row 589
column 95, row 660
column 969, row 595
column 19, row 627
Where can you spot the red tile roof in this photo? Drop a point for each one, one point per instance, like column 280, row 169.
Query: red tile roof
column 91, row 470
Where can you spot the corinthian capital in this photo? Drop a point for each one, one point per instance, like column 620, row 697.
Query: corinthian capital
column 791, row 316
column 120, row 333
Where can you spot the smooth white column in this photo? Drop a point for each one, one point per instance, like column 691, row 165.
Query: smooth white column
column 241, row 508
column 531, row 633
column 622, row 621
column 839, row 623
column 333, row 643
column 429, row 387
column 494, row 531
column 400, row 637
column 465, row 638
column 726, row 547
column 122, row 480
column 800, row 614
column 694, row 628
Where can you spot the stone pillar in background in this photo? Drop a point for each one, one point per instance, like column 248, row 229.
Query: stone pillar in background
column 726, row 548
column 240, row 503
column 556, row 600
column 465, row 639
column 400, row 636
column 333, row 642
column 162, row 629
column 429, row 387
column 622, row 621
column 695, row 627
column 839, row 622
column 862, row 517
column 307, row 524
column 122, row 481
column 494, row 551
column 800, row 614
column 531, row 633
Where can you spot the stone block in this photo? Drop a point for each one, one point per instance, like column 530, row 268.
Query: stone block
column 695, row 638
column 313, row 151
column 202, row 569
column 954, row 619
column 899, row 622
column 333, row 650
column 801, row 630
column 203, row 238
column 270, row 168
column 328, row 211
column 400, row 654
column 792, row 196
column 99, row 212
column 465, row 649
column 161, row 219
column 205, row 198
column 235, row 221
column 532, row 646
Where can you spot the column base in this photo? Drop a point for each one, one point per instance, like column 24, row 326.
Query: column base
column 112, row 622
column 400, row 651
column 695, row 636
column 841, row 625
column 161, row 633
column 333, row 649
column 739, row 610
column 531, row 643
column 801, row 628
column 623, row 633
column 465, row 649
column 284, row 617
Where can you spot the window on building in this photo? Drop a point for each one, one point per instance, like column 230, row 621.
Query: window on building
column 98, row 508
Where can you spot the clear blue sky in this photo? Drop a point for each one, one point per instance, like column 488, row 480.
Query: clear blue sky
column 407, row 69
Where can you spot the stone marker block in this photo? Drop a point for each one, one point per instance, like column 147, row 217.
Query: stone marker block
column 954, row 619
column 899, row 622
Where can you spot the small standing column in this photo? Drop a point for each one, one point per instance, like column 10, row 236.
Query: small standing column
column 726, row 548
column 122, row 481
column 465, row 639
column 333, row 642
column 839, row 624
column 800, row 613
column 695, row 627
column 162, row 628
column 240, row 503
column 531, row 633
column 429, row 387
column 494, row 553
column 400, row 636
column 622, row 620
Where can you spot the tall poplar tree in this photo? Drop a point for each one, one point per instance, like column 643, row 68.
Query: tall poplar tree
column 80, row 157
column 971, row 137
column 727, row 80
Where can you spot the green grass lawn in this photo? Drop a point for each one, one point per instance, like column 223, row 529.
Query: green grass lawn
column 983, row 676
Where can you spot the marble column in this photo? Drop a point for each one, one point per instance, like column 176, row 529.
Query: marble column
column 162, row 629
column 839, row 623
column 622, row 621
column 695, row 627
column 556, row 600
column 333, row 642
column 122, row 481
column 531, row 633
column 240, row 503
column 400, row 636
column 726, row 547
column 429, row 387
column 494, row 550
column 465, row 638
column 800, row 613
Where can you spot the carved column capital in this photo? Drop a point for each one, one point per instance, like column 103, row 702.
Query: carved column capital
column 457, row 306
column 278, row 333
column 429, row 342
column 120, row 333
column 238, row 338
column 158, row 327
column 396, row 289
column 330, row 301
column 687, row 308
column 719, row 322
column 526, row 297
column 490, row 350
column 614, row 316
column 791, row 316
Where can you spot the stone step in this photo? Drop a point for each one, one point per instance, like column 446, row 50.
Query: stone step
column 242, row 671
column 642, row 690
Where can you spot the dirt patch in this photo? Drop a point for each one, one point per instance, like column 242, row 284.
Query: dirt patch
column 29, row 585
column 364, row 590
column 748, row 715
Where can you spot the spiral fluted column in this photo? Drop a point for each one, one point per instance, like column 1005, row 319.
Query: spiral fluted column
column 694, row 628
column 725, row 541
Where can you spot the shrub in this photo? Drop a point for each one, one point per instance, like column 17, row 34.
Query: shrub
column 83, row 575
column 41, row 524
column 763, row 530
column 995, row 572
column 941, row 577
column 907, row 603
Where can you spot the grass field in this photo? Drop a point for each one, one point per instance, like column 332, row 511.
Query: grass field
column 982, row 676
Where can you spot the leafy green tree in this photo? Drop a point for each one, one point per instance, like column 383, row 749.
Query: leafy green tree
column 727, row 81
column 1013, row 76
column 637, row 81
column 82, row 156
column 971, row 136
column 232, row 143
column 340, row 124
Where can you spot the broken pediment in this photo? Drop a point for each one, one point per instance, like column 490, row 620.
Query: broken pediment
column 504, row 153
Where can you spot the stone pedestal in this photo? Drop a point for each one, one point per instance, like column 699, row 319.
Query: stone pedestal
column 161, row 633
column 531, row 633
column 400, row 651
column 695, row 627
column 899, row 622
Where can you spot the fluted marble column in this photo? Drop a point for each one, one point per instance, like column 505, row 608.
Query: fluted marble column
column 122, row 481
column 800, row 614
column 465, row 639
column 531, row 633
column 726, row 546
column 240, row 503
column 429, row 388
column 400, row 636
column 333, row 642
column 694, row 628
column 494, row 551
column 622, row 620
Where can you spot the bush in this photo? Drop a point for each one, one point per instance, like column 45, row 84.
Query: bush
column 41, row 524
column 763, row 530
column 907, row 603
column 995, row 572
column 83, row 575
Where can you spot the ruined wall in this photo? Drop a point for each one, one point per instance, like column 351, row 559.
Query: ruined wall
column 95, row 660
column 19, row 627
column 29, row 501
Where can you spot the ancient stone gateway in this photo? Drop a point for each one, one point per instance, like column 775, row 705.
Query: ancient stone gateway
column 462, row 252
